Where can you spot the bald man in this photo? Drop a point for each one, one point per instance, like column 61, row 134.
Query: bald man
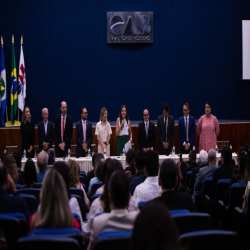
column 63, row 131
column 146, row 133
column 45, row 131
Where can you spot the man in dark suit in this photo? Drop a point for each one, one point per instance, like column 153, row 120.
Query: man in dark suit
column 63, row 131
column 45, row 131
column 223, row 172
column 186, row 130
column 10, row 204
column 168, row 181
column 84, row 134
column 165, row 131
column 146, row 133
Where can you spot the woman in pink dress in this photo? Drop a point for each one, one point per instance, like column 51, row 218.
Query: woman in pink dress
column 208, row 129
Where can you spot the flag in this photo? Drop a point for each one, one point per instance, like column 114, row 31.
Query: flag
column 21, row 81
column 13, row 94
column 3, row 86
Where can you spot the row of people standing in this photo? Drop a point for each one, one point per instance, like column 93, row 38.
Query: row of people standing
column 62, row 131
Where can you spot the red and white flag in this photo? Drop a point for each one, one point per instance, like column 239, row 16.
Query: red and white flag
column 21, row 81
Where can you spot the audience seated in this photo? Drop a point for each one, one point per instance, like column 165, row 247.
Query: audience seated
column 119, row 219
column 54, row 207
column 42, row 162
column 130, row 159
column 139, row 176
column 101, row 204
column 202, row 163
column 223, row 172
column 51, row 154
column 168, row 181
column 30, row 175
column 11, row 165
column 18, row 158
column 204, row 173
column 10, row 204
column 74, row 172
column 150, row 188
column 155, row 229
column 3, row 156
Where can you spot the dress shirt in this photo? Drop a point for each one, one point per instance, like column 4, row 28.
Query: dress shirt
column 62, row 125
column 186, row 125
column 147, row 190
column 45, row 127
column 84, row 124
column 166, row 124
column 146, row 127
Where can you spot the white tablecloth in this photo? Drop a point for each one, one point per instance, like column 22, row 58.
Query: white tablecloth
column 85, row 163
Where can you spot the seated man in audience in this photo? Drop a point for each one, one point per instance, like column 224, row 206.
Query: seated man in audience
column 42, row 162
column 10, row 204
column 150, row 188
column 205, row 172
column 51, row 160
column 202, row 163
column 168, row 181
column 119, row 219
column 223, row 172
column 139, row 176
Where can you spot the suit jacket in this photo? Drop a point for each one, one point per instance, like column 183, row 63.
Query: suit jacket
column 41, row 134
column 79, row 137
column 161, row 132
column 143, row 141
column 182, row 133
column 193, row 176
column 68, row 131
column 223, row 172
column 176, row 200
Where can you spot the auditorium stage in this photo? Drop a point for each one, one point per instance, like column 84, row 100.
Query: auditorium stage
column 237, row 132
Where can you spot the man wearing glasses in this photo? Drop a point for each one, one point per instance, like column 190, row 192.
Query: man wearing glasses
column 146, row 133
column 84, row 134
column 186, row 130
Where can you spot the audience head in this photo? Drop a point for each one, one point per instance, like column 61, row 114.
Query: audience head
column 63, row 169
column 3, row 174
column 42, row 161
column 119, row 189
column 74, row 172
column 203, row 157
column 226, row 155
column 55, row 211
column 93, row 160
column 155, row 229
column 18, row 158
column 168, row 174
column 211, row 156
column 192, row 156
column 140, row 160
column 10, row 163
column 3, row 156
column 30, row 175
column 98, row 158
column 151, row 163
column 51, row 154
column 99, row 170
column 242, row 162
column 130, row 157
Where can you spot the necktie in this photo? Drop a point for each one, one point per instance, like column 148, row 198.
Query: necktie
column 166, row 127
column 63, row 127
column 186, row 130
column 84, row 131
column 146, row 129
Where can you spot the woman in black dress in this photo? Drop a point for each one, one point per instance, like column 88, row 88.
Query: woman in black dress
column 27, row 133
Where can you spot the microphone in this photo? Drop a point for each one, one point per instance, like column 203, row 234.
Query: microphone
column 123, row 117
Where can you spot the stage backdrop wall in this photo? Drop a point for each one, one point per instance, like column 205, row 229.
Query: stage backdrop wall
column 196, row 57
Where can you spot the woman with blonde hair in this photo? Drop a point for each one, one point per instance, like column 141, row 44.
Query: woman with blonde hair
column 103, row 132
column 54, row 207
column 74, row 172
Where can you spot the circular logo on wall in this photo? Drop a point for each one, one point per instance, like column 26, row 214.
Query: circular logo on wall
column 117, row 25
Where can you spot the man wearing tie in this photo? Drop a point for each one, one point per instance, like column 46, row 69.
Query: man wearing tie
column 84, row 134
column 186, row 130
column 146, row 133
column 63, row 131
column 45, row 131
column 165, row 131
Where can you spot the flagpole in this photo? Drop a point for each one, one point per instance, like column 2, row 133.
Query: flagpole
column 21, row 42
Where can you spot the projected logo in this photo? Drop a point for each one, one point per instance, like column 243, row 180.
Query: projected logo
column 130, row 27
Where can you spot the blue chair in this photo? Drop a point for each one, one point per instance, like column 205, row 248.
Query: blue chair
column 42, row 242
column 94, row 197
column 31, row 202
column 37, row 185
column 94, row 188
column 179, row 211
column 32, row 191
column 81, row 205
column 113, row 240
column 210, row 239
column 141, row 204
column 188, row 222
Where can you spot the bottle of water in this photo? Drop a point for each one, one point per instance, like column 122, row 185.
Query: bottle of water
column 5, row 151
column 231, row 147
column 89, row 154
column 194, row 148
column 104, row 153
column 123, row 152
column 173, row 151
column 24, row 154
column 216, row 150
column 152, row 148
column 68, row 152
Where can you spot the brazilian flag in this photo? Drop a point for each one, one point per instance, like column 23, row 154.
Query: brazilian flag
column 13, row 93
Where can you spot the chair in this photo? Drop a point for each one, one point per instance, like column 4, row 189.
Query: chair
column 94, row 188
column 141, row 204
column 32, row 191
column 113, row 240
column 188, row 176
column 94, row 197
column 73, row 150
column 210, row 239
column 178, row 211
column 82, row 172
column 41, row 242
column 221, row 144
column 37, row 185
column 11, row 149
column 31, row 202
column 189, row 222
column 81, row 205
column 83, row 179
